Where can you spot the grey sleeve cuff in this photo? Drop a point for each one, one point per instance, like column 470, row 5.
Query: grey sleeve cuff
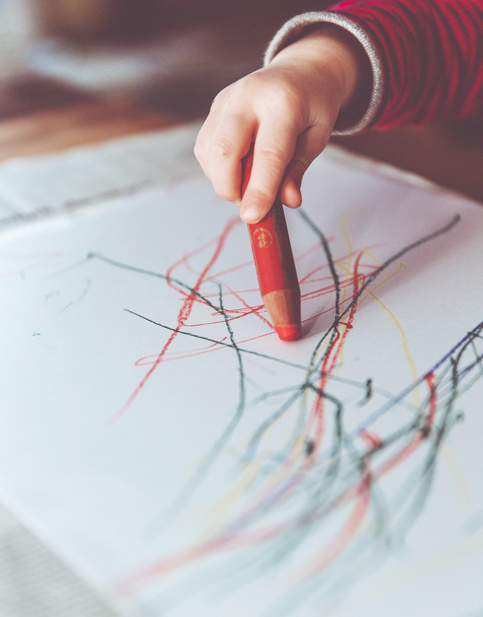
column 293, row 28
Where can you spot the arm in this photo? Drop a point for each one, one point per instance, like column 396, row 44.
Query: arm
column 288, row 108
column 363, row 64
column 426, row 57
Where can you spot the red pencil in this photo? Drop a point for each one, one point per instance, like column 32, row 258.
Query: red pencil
column 277, row 276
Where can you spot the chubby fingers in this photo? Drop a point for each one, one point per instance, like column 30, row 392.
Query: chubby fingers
column 280, row 159
column 274, row 147
column 309, row 145
column 241, row 114
column 223, row 141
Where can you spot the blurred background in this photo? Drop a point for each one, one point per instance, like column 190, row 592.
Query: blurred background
column 174, row 54
column 157, row 62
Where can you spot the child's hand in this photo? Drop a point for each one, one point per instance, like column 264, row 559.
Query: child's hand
column 288, row 109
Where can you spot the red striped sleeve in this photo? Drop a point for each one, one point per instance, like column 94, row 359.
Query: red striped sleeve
column 432, row 57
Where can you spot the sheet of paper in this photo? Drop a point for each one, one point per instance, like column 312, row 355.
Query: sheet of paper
column 36, row 187
column 160, row 437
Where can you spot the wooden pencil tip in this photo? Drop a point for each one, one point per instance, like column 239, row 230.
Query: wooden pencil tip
column 290, row 332
column 283, row 308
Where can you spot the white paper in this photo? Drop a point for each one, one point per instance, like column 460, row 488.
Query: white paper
column 33, row 188
column 159, row 436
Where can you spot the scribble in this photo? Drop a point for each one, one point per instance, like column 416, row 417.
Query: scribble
column 331, row 461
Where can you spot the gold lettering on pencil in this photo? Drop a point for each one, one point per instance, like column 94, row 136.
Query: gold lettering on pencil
column 263, row 238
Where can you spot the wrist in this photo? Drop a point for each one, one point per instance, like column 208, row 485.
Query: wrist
column 328, row 53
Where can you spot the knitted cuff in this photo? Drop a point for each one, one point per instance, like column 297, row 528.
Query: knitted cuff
column 292, row 30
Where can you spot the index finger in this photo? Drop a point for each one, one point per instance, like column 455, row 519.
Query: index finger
column 274, row 148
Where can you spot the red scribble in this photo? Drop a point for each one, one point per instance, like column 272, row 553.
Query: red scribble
column 373, row 440
column 348, row 531
column 242, row 266
column 178, row 355
column 418, row 439
column 433, row 401
column 330, row 362
column 226, row 542
column 237, row 535
column 183, row 315
column 247, row 309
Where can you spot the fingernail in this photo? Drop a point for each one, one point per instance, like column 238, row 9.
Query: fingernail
column 250, row 216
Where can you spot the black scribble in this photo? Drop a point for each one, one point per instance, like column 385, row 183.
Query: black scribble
column 331, row 464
